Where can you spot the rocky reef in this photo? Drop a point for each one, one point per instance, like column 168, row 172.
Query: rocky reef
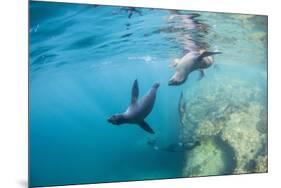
column 227, row 113
column 218, row 158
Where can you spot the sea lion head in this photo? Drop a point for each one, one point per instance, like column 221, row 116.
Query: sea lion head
column 174, row 82
column 156, row 85
column 116, row 119
column 177, row 79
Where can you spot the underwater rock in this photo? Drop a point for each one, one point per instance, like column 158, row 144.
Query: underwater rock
column 242, row 16
column 226, row 114
column 213, row 162
column 262, row 124
column 241, row 134
column 258, row 36
column 207, row 128
column 262, row 162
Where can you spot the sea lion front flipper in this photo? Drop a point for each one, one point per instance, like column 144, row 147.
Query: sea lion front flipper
column 174, row 63
column 146, row 127
column 130, row 14
column 205, row 54
column 135, row 92
column 202, row 74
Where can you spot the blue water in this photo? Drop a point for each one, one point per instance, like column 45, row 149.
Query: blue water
column 83, row 61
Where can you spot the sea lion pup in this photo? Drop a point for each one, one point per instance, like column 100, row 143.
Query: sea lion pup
column 193, row 60
column 137, row 110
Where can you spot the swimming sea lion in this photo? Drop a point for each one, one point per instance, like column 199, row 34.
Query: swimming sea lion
column 193, row 60
column 174, row 147
column 181, row 108
column 137, row 110
column 131, row 11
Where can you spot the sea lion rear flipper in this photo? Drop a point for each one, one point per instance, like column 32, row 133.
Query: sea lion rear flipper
column 217, row 67
column 205, row 54
column 202, row 74
column 146, row 127
column 135, row 92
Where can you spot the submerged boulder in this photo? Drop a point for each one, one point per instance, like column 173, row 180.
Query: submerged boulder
column 227, row 113
column 241, row 134
column 211, row 157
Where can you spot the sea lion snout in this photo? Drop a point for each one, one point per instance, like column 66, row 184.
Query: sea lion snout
column 115, row 119
column 156, row 85
column 177, row 79
column 171, row 82
column 111, row 120
column 174, row 82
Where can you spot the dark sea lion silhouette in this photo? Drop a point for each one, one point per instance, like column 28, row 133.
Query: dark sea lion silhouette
column 137, row 110
column 181, row 108
column 174, row 147
column 193, row 60
column 131, row 11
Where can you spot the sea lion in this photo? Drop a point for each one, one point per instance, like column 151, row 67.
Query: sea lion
column 153, row 144
column 137, row 110
column 181, row 108
column 131, row 11
column 174, row 147
column 193, row 60
column 187, row 22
